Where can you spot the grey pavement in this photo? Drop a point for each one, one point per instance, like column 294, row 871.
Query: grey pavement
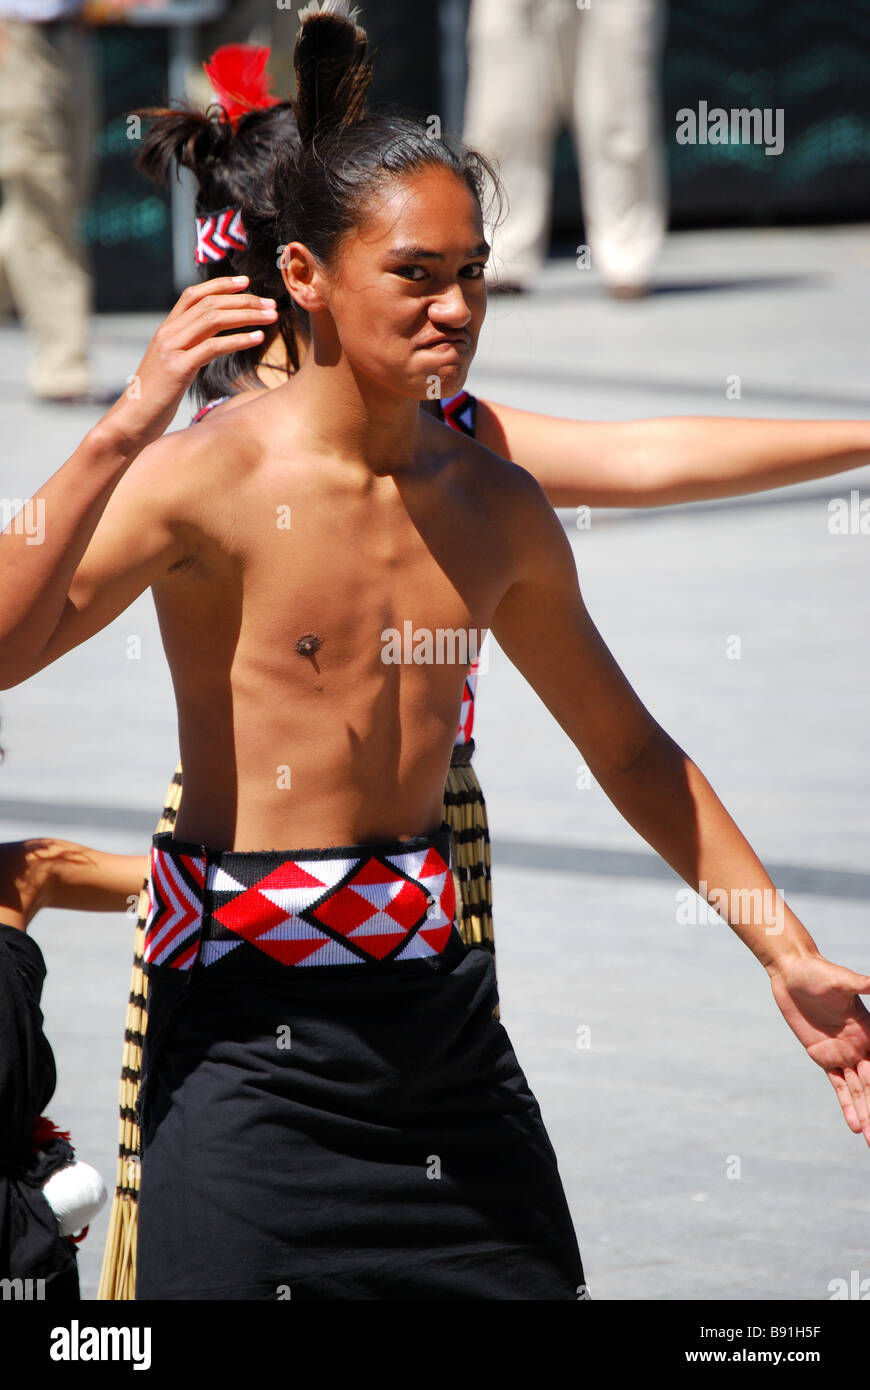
column 704, row 1156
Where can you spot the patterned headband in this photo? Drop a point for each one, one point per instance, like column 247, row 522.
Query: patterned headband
column 218, row 233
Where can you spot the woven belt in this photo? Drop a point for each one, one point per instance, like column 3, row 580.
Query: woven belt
column 385, row 902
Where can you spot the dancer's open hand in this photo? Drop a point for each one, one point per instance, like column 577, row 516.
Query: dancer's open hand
column 819, row 1002
column 192, row 334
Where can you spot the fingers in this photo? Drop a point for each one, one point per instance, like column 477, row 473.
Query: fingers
column 859, row 1099
column 198, row 330
column 206, row 320
column 853, row 1092
column 194, row 294
column 230, row 342
column 850, row 982
column 859, row 1083
column 216, row 310
column 844, row 1096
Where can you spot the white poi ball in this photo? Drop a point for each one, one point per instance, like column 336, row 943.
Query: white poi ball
column 75, row 1194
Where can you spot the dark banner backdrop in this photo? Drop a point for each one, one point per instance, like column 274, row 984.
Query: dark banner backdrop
column 126, row 225
column 811, row 60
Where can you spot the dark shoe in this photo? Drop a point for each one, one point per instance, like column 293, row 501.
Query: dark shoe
column 627, row 291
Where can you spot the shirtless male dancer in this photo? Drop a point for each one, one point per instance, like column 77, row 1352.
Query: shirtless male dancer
column 306, row 1168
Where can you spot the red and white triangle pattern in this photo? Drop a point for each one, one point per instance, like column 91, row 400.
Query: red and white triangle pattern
column 267, row 914
column 219, row 232
column 361, row 901
column 175, row 892
column 431, row 872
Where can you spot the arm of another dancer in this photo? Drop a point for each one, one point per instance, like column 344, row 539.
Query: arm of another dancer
column 543, row 626
column 660, row 462
column 47, row 872
column 42, row 547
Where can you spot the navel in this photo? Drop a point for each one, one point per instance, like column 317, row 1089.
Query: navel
column 308, row 644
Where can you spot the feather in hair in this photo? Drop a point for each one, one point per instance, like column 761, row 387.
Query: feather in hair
column 237, row 72
column 333, row 74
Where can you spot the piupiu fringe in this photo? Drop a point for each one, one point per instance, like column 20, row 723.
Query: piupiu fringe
column 118, row 1275
column 465, row 813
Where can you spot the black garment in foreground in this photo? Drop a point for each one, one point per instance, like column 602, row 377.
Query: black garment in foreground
column 358, row 1130
column 31, row 1246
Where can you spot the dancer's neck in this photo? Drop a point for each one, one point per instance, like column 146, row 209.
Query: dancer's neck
column 347, row 415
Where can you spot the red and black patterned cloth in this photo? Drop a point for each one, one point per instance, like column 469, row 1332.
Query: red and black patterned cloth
column 329, row 1107
column 307, row 909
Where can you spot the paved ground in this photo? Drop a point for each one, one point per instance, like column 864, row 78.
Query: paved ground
column 690, row 1076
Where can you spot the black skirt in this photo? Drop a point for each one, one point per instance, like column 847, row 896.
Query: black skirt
column 349, row 1131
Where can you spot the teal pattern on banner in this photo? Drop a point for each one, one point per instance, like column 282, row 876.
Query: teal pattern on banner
column 810, row 60
column 127, row 226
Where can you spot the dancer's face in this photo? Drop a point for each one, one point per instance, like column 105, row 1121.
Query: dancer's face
column 405, row 291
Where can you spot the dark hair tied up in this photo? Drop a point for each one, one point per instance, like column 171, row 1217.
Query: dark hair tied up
column 229, row 161
column 320, row 190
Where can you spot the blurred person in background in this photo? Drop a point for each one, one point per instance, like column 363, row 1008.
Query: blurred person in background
column 594, row 65
column 48, row 109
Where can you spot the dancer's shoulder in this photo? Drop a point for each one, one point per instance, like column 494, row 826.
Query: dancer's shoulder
column 505, row 485
column 185, row 461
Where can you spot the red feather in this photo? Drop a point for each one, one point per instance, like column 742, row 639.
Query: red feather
column 237, row 72
column 43, row 1130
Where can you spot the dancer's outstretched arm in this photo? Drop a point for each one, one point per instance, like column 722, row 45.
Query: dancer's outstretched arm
column 39, row 557
column 543, row 626
column 658, row 462
column 661, row 462
column 47, row 872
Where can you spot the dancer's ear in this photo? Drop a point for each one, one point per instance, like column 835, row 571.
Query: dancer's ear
column 303, row 277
